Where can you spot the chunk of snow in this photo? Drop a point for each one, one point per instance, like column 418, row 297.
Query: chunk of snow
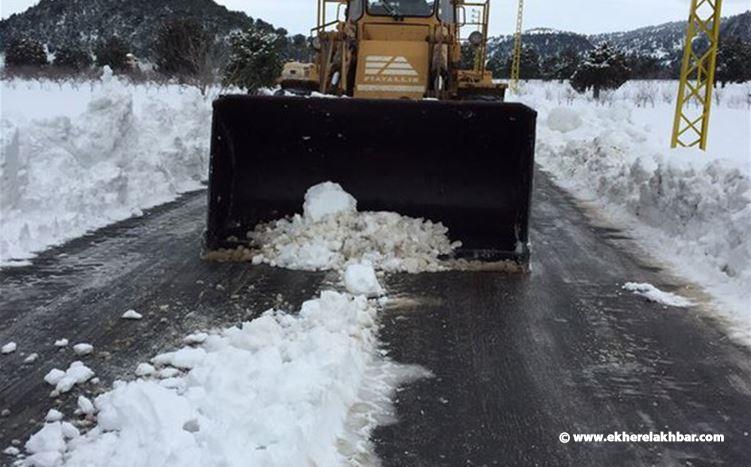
column 83, row 349
column 10, row 347
column 31, row 358
column 653, row 294
column 145, row 369
column 564, row 119
column 186, row 358
column 360, row 279
column 54, row 376
column 85, row 405
column 69, row 431
column 327, row 199
column 132, row 314
column 195, row 338
column 61, row 343
column 53, row 415
column 47, row 440
column 64, row 381
column 11, row 451
column 166, row 373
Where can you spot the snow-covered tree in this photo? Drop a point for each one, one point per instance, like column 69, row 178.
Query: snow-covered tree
column 734, row 61
column 255, row 59
column 114, row 53
column 25, row 52
column 529, row 65
column 603, row 68
column 182, row 47
column 566, row 64
column 73, row 57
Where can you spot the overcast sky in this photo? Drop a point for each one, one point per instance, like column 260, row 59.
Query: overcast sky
column 583, row 16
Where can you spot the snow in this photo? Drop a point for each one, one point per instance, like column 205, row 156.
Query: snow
column 687, row 208
column 46, row 446
column 386, row 240
column 195, row 338
column 77, row 373
column 327, row 199
column 132, row 314
column 78, row 156
column 54, row 375
column 360, row 279
column 11, row 451
column 61, row 343
column 185, row 358
column 83, row 348
column 8, row 348
column 53, row 415
column 145, row 369
column 31, row 358
column 279, row 390
column 653, row 294
column 85, row 405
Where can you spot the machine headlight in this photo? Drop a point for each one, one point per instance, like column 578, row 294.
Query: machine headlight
column 476, row 39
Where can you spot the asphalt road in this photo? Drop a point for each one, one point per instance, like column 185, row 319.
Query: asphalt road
column 517, row 359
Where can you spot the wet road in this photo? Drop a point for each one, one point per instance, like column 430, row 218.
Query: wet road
column 517, row 359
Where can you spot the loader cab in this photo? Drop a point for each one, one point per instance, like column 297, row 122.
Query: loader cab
column 398, row 49
column 445, row 10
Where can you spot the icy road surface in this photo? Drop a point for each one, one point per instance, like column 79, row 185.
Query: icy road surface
column 517, row 359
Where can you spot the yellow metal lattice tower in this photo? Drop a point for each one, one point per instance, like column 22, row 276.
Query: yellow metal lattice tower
column 691, row 124
column 516, row 63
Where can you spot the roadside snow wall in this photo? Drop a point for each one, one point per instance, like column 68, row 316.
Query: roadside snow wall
column 688, row 208
column 132, row 148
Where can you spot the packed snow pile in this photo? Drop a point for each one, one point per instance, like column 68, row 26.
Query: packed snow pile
column 690, row 208
column 131, row 148
column 275, row 391
column 653, row 294
column 332, row 234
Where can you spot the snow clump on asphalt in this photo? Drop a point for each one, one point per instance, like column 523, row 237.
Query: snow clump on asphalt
column 653, row 294
column 83, row 348
column 360, row 279
column 10, row 347
column 132, row 314
column 337, row 235
column 279, row 390
column 77, row 373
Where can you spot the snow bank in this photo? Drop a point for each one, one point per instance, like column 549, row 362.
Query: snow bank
column 653, row 294
column 691, row 209
column 131, row 148
column 275, row 391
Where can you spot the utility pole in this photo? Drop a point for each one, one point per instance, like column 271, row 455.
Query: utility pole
column 691, row 123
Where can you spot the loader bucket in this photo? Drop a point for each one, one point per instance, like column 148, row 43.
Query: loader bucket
column 468, row 165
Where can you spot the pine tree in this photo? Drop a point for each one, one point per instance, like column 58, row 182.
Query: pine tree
column 182, row 47
column 73, row 57
column 566, row 65
column 25, row 52
column 529, row 66
column 113, row 53
column 603, row 68
column 733, row 61
column 255, row 59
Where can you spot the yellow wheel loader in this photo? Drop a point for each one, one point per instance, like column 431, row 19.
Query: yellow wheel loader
column 413, row 132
